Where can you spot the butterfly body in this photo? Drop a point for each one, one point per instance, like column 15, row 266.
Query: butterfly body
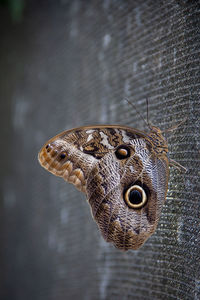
column 123, row 172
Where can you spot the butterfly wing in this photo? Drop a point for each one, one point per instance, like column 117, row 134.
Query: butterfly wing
column 124, row 179
column 73, row 153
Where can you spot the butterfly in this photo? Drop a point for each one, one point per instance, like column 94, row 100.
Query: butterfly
column 124, row 173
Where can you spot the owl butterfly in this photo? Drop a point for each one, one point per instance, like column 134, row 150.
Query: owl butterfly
column 123, row 172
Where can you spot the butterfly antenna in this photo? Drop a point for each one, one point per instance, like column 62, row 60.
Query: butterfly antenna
column 147, row 103
column 175, row 126
column 176, row 165
column 133, row 105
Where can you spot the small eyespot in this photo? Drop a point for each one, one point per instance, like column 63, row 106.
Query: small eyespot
column 122, row 152
column 135, row 196
column 63, row 155
column 48, row 147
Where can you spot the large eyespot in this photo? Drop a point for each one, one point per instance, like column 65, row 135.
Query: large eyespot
column 122, row 152
column 135, row 196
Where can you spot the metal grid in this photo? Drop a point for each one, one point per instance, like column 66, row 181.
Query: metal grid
column 71, row 63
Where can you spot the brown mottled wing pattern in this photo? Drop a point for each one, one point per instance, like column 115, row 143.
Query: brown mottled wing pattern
column 87, row 157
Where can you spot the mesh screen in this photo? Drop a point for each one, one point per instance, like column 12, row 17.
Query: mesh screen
column 68, row 64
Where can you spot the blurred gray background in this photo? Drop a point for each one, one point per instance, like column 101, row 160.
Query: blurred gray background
column 65, row 64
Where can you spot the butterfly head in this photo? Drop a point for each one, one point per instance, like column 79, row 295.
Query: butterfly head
column 157, row 141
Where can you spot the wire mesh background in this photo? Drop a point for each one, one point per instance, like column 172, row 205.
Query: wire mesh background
column 68, row 64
